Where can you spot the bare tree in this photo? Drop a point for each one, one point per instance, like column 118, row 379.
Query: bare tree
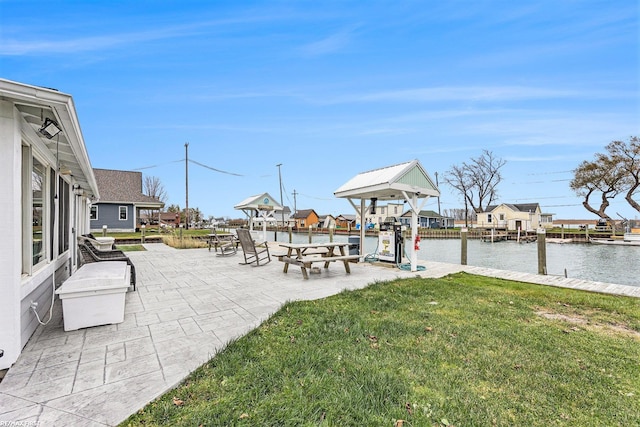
column 458, row 214
column 477, row 181
column 153, row 187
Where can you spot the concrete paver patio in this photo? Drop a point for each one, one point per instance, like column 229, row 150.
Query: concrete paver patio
column 188, row 305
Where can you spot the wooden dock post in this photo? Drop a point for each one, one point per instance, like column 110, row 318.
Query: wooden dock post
column 290, row 234
column 310, row 234
column 331, row 234
column 463, row 246
column 542, row 251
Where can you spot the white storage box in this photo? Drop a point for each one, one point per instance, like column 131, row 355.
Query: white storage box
column 95, row 295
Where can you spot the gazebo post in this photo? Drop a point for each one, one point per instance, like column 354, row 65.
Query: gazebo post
column 362, row 229
column 414, row 233
column 264, row 225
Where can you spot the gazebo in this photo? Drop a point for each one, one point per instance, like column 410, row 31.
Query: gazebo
column 260, row 204
column 408, row 181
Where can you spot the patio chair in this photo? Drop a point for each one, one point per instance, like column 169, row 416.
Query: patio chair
column 252, row 252
column 90, row 254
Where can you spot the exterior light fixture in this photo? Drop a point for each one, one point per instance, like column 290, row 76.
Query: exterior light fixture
column 50, row 128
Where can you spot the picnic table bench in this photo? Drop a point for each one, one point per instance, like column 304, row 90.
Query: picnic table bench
column 304, row 255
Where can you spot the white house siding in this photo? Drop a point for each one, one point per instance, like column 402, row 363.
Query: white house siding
column 10, row 245
column 22, row 282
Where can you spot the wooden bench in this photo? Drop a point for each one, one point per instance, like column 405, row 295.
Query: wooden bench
column 307, row 261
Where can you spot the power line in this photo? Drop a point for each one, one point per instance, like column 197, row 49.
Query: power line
column 550, row 173
column 313, row 197
column 161, row 164
column 214, row 169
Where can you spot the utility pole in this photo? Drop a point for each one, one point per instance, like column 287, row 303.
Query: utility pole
column 281, row 202
column 295, row 207
column 186, row 180
column 438, row 185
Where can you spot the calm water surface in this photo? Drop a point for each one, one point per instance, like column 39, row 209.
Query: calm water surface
column 602, row 263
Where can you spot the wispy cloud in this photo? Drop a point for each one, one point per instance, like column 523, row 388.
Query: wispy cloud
column 330, row 44
column 474, row 93
column 15, row 45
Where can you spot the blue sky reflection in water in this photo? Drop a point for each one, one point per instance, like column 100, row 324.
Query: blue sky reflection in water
column 330, row 89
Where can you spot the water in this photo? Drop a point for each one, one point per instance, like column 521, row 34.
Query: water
column 601, row 263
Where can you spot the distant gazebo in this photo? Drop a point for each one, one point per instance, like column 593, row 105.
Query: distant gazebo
column 259, row 205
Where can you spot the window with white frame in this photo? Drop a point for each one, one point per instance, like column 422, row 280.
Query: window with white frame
column 122, row 215
column 63, row 215
column 34, row 211
column 93, row 213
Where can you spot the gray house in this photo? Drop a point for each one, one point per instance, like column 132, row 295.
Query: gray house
column 428, row 219
column 121, row 201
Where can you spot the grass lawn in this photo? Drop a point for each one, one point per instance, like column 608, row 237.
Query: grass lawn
column 131, row 248
column 463, row 350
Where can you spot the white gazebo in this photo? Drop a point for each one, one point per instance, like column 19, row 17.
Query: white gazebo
column 262, row 205
column 408, row 182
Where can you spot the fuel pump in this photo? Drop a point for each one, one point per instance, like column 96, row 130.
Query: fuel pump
column 390, row 242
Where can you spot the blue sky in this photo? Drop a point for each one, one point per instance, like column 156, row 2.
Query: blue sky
column 331, row 89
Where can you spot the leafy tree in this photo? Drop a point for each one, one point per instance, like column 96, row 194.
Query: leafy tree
column 627, row 156
column 600, row 177
column 609, row 174
column 477, row 181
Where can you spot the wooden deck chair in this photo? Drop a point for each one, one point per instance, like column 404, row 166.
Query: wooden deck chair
column 252, row 252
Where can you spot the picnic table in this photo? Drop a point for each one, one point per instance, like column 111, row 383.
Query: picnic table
column 227, row 243
column 305, row 254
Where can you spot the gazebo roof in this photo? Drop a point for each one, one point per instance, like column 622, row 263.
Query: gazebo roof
column 259, row 202
column 389, row 182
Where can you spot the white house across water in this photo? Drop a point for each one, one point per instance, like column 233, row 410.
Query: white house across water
column 45, row 198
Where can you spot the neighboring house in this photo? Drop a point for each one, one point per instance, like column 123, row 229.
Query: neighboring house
column 428, row 219
column 170, row 219
column 383, row 212
column 305, row 218
column 121, row 201
column 508, row 216
column 327, row 221
column 47, row 188
column 284, row 217
column 346, row 221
